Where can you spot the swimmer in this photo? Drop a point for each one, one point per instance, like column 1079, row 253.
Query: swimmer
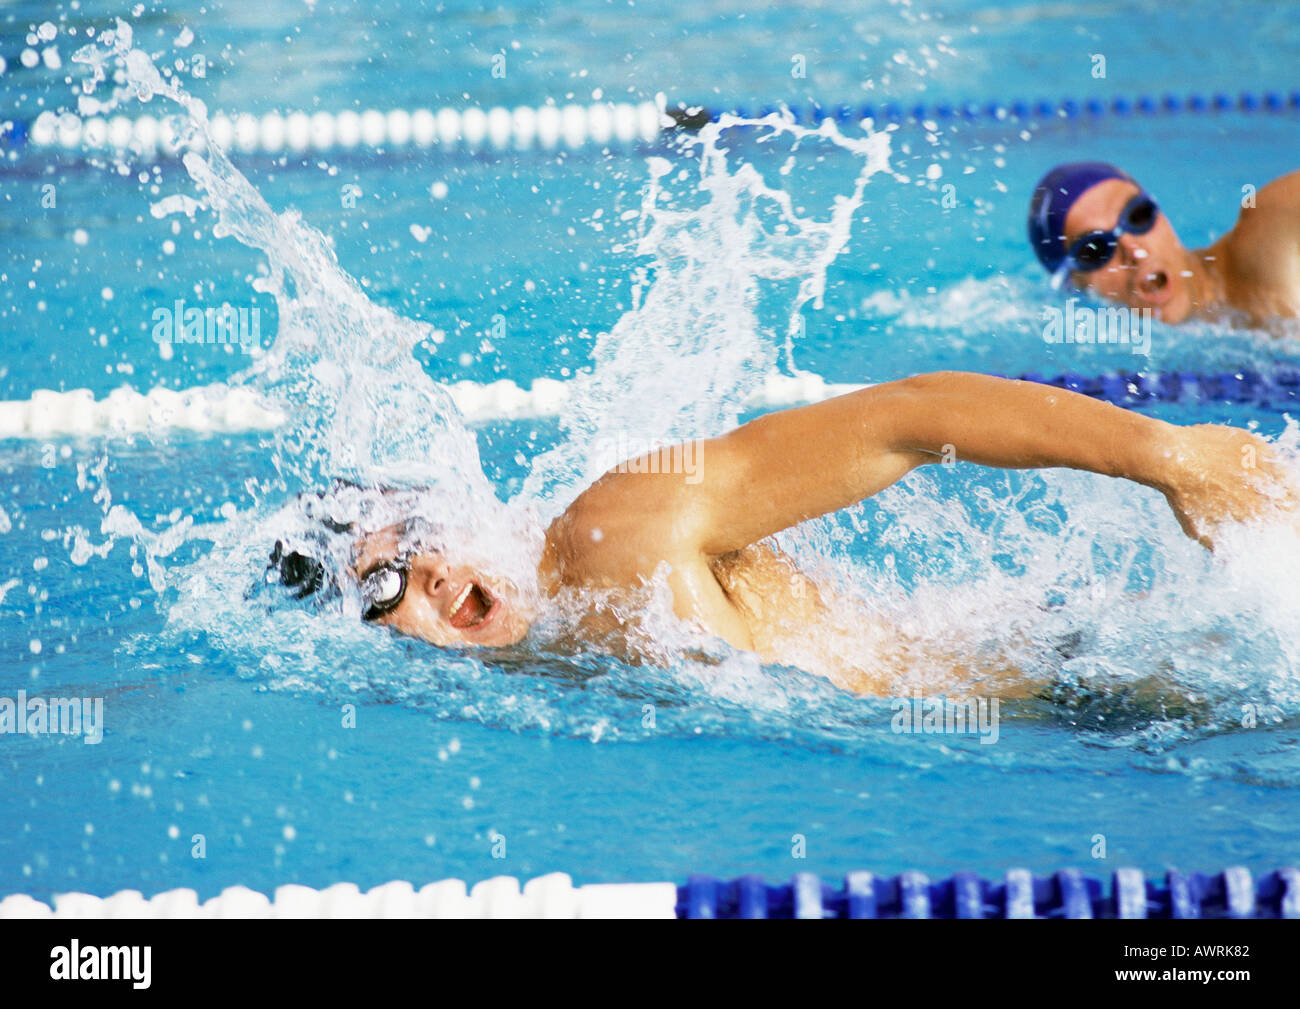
column 1093, row 225
column 706, row 529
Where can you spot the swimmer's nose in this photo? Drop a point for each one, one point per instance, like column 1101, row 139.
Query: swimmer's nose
column 1133, row 249
column 1132, row 254
column 433, row 571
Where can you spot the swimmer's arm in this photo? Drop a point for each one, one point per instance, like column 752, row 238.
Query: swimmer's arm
column 785, row 467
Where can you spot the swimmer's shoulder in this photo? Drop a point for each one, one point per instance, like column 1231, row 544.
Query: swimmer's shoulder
column 1284, row 191
column 619, row 531
column 632, row 532
column 1262, row 252
column 1268, row 226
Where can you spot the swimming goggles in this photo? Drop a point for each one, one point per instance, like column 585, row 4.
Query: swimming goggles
column 1092, row 251
column 383, row 588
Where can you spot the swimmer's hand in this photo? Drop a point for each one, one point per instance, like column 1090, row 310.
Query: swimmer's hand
column 1218, row 474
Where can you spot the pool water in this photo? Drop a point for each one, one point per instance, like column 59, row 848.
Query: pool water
column 304, row 748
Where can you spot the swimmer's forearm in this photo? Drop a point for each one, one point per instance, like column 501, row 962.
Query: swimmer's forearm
column 785, row 467
column 952, row 416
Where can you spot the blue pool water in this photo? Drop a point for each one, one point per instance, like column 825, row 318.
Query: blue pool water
column 225, row 716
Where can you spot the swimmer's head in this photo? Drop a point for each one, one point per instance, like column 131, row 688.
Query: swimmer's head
column 406, row 569
column 414, row 583
column 1092, row 225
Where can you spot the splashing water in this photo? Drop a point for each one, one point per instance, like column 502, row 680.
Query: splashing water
column 1086, row 582
column 693, row 348
column 341, row 368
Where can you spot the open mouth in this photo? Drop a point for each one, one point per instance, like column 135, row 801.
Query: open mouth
column 473, row 607
column 1153, row 286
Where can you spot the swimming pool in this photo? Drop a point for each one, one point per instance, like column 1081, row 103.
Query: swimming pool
column 303, row 749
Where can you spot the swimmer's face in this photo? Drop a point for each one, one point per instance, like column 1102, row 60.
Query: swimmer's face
column 445, row 603
column 1146, row 271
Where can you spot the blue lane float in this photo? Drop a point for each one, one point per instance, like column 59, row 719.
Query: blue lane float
column 1021, row 110
column 1019, row 894
column 1279, row 389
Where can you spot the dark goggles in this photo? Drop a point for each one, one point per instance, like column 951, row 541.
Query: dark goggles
column 1092, row 251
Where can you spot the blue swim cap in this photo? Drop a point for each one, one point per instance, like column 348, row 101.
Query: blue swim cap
column 1053, row 197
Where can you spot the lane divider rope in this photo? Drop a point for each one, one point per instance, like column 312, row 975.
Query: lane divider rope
column 472, row 129
column 551, row 896
column 220, row 409
column 1022, row 110
column 1019, row 894
column 551, row 126
column 1232, row 893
